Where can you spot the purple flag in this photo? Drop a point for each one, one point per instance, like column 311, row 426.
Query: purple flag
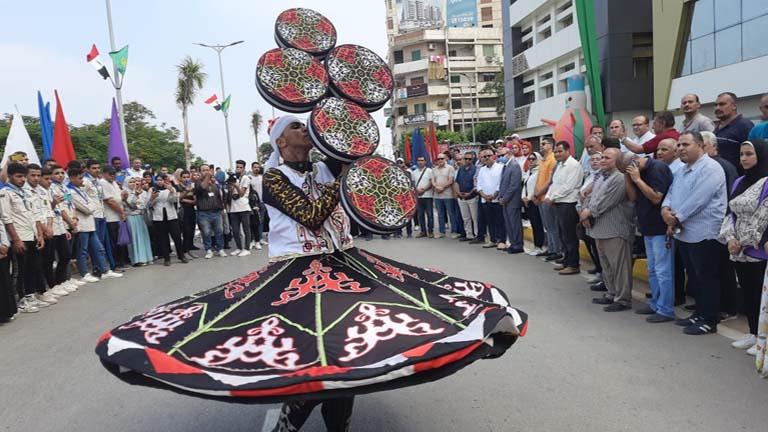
column 116, row 148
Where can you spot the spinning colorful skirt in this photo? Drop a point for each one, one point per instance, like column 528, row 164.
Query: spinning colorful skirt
column 315, row 327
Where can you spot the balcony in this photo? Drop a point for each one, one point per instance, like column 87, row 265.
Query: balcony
column 411, row 66
column 520, row 10
column 415, row 37
column 462, row 62
column 559, row 45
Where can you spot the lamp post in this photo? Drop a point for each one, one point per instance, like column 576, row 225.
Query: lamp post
column 219, row 49
column 474, row 84
column 118, row 80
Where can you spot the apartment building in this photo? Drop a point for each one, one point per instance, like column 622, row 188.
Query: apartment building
column 442, row 54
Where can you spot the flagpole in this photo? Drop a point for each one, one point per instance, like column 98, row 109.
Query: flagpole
column 219, row 49
column 118, row 83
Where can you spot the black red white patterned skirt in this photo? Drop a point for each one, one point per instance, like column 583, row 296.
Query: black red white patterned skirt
column 313, row 328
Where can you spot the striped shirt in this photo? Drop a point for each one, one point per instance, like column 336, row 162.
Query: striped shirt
column 698, row 198
column 609, row 205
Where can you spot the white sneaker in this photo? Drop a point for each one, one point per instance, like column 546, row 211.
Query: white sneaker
column 455, row 236
column 26, row 305
column 747, row 341
column 752, row 350
column 47, row 297
column 244, row 253
column 70, row 286
column 111, row 275
column 222, row 253
column 89, row 278
column 252, row 245
column 258, row 246
column 36, row 302
column 59, row 290
column 235, row 252
column 264, row 242
column 76, row 282
column 208, row 254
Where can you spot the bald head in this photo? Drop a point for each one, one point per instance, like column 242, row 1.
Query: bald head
column 667, row 150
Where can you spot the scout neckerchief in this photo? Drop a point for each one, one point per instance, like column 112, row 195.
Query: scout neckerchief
column 79, row 192
column 20, row 192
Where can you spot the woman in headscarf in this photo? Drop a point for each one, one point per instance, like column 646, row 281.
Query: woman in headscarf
column 744, row 230
column 526, row 150
column 140, row 249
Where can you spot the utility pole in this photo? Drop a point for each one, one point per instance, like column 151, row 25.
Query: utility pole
column 118, row 81
column 219, row 49
column 474, row 82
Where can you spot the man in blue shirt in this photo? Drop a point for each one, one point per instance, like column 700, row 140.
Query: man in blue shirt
column 693, row 210
column 761, row 130
column 464, row 186
column 732, row 129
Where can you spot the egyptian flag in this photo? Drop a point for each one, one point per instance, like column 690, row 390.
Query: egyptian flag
column 95, row 61
column 214, row 101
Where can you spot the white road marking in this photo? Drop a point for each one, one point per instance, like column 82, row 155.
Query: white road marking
column 270, row 419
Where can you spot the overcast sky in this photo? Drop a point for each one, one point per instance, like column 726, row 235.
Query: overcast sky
column 43, row 46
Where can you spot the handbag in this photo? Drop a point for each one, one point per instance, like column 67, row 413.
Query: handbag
column 124, row 234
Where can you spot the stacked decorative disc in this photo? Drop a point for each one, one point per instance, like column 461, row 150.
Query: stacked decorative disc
column 341, row 86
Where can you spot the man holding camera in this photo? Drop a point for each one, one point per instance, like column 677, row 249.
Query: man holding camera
column 239, row 209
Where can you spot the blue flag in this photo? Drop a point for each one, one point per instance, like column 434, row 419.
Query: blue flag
column 418, row 149
column 46, row 126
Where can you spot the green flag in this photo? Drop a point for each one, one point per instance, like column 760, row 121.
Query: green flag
column 120, row 59
column 225, row 104
column 585, row 12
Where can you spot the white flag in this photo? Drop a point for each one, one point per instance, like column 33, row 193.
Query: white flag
column 19, row 140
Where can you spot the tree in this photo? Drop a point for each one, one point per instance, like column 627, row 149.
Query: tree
column 256, row 121
column 265, row 151
column 453, row 137
column 497, row 87
column 191, row 79
column 490, row 131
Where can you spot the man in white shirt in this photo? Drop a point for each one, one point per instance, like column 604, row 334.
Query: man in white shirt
column 564, row 193
column 163, row 200
column 114, row 213
column 442, row 193
column 488, row 180
column 239, row 210
column 641, row 127
column 92, row 187
column 8, row 307
column 422, row 181
column 135, row 170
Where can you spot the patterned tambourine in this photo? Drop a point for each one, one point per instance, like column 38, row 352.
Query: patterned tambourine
column 343, row 130
column 291, row 80
column 360, row 75
column 378, row 195
column 306, row 30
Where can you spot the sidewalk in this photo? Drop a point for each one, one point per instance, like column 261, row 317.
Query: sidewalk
column 733, row 329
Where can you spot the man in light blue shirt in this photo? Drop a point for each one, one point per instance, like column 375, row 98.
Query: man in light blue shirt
column 760, row 131
column 694, row 209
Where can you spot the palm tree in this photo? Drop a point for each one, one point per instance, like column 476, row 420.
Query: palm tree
column 191, row 80
column 256, row 121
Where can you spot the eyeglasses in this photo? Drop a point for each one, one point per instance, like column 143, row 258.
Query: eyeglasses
column 637, row 125
column 532, row 158
column 485, row 157
column 439, row 158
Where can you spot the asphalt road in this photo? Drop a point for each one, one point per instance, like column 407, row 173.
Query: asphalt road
column 578, row 369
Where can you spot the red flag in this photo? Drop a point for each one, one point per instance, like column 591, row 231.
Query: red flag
column 433, row 149
column 407, row 149
column 63, row 152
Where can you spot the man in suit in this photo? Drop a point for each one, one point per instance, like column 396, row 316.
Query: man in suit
column 510, row 198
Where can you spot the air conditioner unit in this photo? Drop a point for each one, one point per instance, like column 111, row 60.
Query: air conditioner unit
column 431, row 47
column 489, row 59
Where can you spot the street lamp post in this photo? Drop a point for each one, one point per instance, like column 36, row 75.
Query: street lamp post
column 474, row 83
column 219, row 49
column 118, row 80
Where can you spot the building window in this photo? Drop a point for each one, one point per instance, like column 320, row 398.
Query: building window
column 546, row 92
column 545, row 76
column 419, row 108
column 488, row 76
column 455, row 104
column 569, row 67
column 487, row 25
column 488, row 102
column 486, row 14
column 488, row 51
column 563, row 7
column 390, row 24
column 417, row 80
column 725, row 32
column 485, row 1
column 416, row 55
column 398, row 56
column 401, row 111
column 455, row 79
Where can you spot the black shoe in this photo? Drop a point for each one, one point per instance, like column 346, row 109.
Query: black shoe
column 513, row 251
column 645, row 310
column 593, row 271
column 560, row 261
column 553, row 257
column 167, row 262
column 194, row 248
column 465, row 239
column 685, row 322
column 477, row 241
column 656, row 318
column 184, row 260
column 598, row 287
column 543, row 254
column 602, row 300
column 616, row 307
column 190, row 255
column 700, row 328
